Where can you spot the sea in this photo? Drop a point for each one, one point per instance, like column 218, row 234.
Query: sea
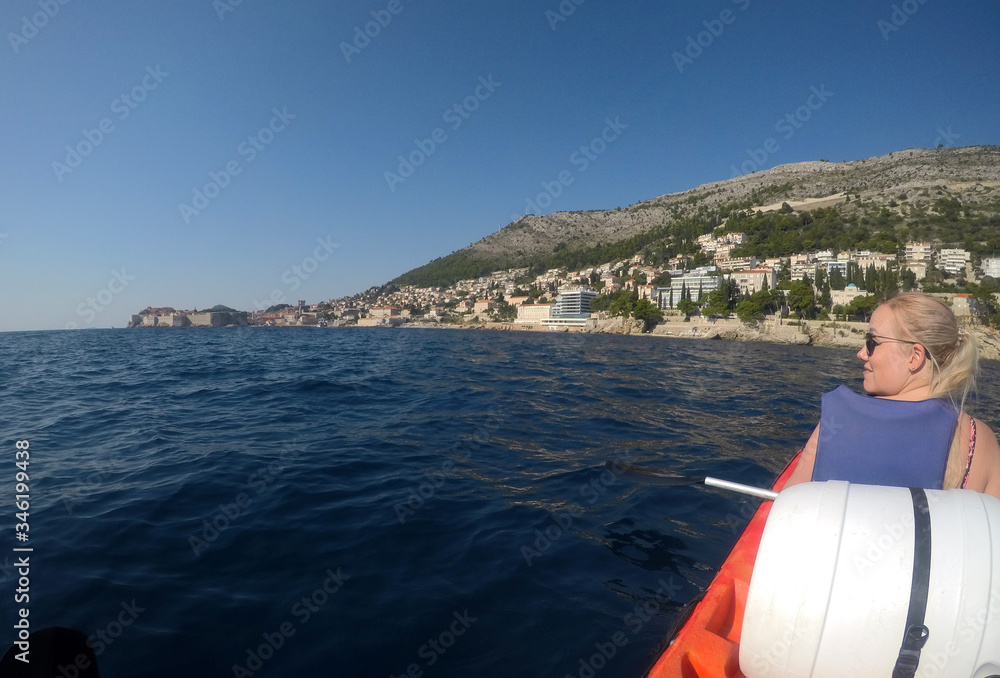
column 381, row 503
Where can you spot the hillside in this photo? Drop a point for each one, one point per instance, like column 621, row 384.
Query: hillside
column 945, row 194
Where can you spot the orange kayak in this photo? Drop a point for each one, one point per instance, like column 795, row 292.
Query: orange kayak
column 708, row 644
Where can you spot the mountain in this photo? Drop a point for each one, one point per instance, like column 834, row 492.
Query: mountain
column 952, row 194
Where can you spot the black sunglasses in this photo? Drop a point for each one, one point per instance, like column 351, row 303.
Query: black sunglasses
column 871, row 344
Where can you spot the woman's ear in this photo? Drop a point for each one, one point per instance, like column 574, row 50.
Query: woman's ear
column 918, row 356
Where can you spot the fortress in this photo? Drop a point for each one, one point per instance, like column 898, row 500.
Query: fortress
column 168, row 317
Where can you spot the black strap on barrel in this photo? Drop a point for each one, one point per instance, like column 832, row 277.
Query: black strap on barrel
column 916, row 633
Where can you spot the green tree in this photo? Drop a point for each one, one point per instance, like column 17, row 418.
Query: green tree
column 662, row 280
column 825, row 300
column 986, row 302
column 649, row 314
column 751, row 309
column 687, row 307
column 837, row 280
column 748, row 311
column 777, row 300
column 623, row 305
column 505, row 312
column 802, row 300
column 861, row 308
column 718, row 302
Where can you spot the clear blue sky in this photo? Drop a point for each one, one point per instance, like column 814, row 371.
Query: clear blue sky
column 156, row 99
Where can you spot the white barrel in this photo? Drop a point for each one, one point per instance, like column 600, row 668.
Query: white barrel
column 830, row 588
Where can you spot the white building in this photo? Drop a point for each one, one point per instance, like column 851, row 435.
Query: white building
column 991, row 267
column 832, row 266
column 953, row 261
column 879, row 261
column 696, row 287
column 753, row 280
column 723, row 251
column 824, row 256
column 482, row 306
column 845, row 296
column 738, row 264
column 918, row 252
column 919, row 270
column 533, row 313
column 800, row 265
column 573, row 301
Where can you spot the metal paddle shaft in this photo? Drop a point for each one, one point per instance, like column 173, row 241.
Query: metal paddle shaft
column 739, row 487
column 651, row 476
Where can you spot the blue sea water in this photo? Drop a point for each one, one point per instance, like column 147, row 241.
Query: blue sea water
column 371, row 502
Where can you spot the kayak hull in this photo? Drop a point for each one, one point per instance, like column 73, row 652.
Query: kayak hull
column 708, row 644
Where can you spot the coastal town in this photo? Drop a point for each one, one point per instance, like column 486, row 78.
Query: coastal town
column 562, row 300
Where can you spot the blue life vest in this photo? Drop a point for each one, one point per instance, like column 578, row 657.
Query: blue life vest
column 874, row 441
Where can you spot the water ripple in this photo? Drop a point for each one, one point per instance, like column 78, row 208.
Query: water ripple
column 219, row 476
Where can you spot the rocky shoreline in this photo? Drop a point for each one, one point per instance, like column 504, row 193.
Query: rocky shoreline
column 828, row 334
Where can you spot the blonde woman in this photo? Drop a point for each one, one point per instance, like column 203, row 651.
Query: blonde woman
column 920, row 366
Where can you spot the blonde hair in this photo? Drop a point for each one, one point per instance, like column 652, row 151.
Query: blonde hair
column 952, row 354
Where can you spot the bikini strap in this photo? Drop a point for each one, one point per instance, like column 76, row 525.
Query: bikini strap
column 972, row 449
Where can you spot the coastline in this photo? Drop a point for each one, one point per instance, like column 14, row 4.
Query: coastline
column 826, row 334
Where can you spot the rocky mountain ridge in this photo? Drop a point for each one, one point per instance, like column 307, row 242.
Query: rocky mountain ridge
column 921, row 176
column 963, row 172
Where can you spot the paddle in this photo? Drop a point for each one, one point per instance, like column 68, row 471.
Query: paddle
column 650, row 476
